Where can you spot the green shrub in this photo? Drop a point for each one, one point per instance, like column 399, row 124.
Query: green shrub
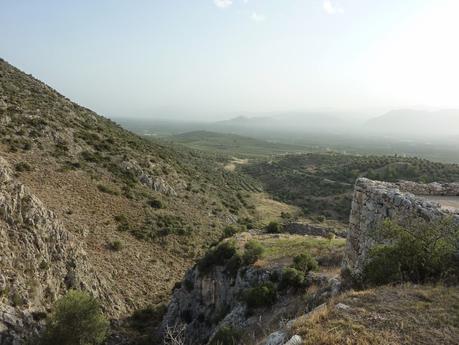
column 291, row 277
column 253, row 251
column 75, row 320
column 305, row 263
column 155, row 203
column 149, row 317
column 22, row 166
column 227, row 336
column 229, row 231
column 123, row 223
column 217, row 256
column 263, row 295
column 234, row 264
column 116, row 245
column 274, row 228
column 417, row 251
column 105, row 189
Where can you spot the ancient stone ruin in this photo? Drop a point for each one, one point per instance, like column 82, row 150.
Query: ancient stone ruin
column 375, row 201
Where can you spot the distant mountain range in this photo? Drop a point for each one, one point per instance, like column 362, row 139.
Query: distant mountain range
column 416, row 123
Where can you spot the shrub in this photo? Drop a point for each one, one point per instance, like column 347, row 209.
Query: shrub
column 234, row 264
column 116, row 245
column 253, row 251
column 263, row 295
column 305, row 263
column 226, row 336
column 22, row 166
column 330, row 236
column 123, row 223
column 105, row 189
column 229, row 231
column 217, row 256
column 155, row 203
column 274, row 228
column 75, row 320
column 416, row 251
column 291, row 277
column 148, row 317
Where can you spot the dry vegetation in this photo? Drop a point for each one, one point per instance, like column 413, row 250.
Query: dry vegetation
column 389, row 315
column 82, row 166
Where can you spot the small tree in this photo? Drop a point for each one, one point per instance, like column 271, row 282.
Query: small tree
column 75, row 320
column 253, row 251
column 274, row 228
column 415, row 250
column 305, row 263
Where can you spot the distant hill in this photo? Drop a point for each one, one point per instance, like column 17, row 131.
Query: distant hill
column 416, row 123
column 305, row 122
column 234, row 144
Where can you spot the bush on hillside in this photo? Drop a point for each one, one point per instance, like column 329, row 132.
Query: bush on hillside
column 260, row 296
column 305, row 263
column 76, row 320
column 253, row 251
column 217, row 256
column 229, row 231
column 291, row 277
column 274, row 228
column 417, row 251
column 155, row 203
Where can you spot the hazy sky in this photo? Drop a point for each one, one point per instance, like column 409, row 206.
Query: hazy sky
column 217, row 57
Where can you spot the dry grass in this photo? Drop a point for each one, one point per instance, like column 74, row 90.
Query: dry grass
column 406, row 314
column 269, row 210
column 282, row 245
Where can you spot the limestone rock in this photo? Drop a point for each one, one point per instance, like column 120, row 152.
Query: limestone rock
column 295, row 340
column 375, row 201
column 36, row 250
column 276, row 338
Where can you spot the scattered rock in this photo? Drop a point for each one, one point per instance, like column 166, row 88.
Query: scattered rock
column 295, row 340
column 276, row 338
column 342, row 306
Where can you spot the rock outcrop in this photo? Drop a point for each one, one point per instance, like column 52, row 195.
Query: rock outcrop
column 375, row 201
column 208, row 302
column 39, row 261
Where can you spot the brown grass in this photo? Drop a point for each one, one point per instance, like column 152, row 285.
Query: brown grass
column 406, row 314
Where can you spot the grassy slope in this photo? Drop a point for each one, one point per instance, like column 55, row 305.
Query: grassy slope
column 74, row 160
column 388, row 315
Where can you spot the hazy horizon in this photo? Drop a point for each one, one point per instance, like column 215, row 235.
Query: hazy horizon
column 216, row 59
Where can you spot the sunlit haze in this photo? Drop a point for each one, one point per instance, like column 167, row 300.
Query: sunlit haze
column 213, row 59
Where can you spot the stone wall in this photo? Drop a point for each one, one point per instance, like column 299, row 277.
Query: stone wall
column 375, row 201
column 312, row 230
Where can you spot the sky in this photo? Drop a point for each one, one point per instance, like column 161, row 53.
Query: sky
column 210, row 59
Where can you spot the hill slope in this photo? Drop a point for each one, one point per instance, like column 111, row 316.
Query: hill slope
column 416, row 123
column 142, row 211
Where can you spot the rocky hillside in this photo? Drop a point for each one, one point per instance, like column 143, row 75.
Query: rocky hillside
column 141, row 212
column 244, row 288
column 40, row 261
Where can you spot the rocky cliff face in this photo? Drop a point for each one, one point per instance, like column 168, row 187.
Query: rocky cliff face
column 375, row 201
column 39, row 261
column 206, row 303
